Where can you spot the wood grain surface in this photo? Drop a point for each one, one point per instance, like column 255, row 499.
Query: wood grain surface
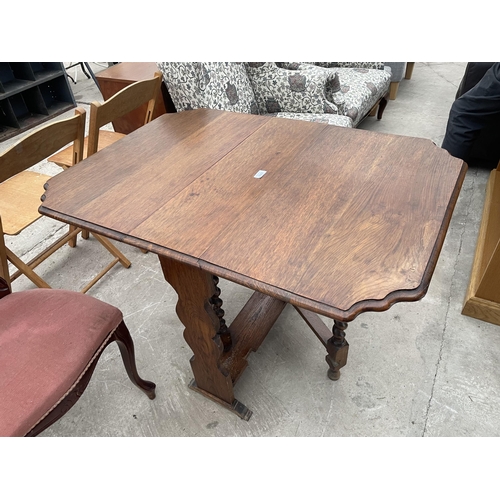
column 343, row 221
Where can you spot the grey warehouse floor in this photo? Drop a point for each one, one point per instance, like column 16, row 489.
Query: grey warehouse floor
column 418, row 369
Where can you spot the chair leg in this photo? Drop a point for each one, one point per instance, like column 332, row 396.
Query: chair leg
column 126, row 346
column 381, row 107
column 113, row 250
column 4, row 265
column 83, row 69
column 119, row 258
column 393, row 92
column 26, row 270
column 4, row 288
column 72, row 241
column 409, row 70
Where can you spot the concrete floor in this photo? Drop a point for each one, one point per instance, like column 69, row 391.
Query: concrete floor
column 418, row 369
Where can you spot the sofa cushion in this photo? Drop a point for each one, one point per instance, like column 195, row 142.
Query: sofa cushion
column 362, row 89
column 332, row 88
column 362, row 65
column 228, row 87
column 47, row 340
column 214, row 85
column 296, row 91
column 328, row 118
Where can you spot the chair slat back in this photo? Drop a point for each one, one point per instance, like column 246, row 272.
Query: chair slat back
column 123, row 102
column 42, row 143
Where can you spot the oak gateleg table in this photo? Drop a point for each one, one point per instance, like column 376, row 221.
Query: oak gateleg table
column 334, row 221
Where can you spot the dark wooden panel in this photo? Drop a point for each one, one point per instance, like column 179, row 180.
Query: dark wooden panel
column 135, row 177
column 343, row 221
column 249, row 329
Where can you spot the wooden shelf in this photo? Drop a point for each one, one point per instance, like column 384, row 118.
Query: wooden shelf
column 31, row 93
column 483, row 295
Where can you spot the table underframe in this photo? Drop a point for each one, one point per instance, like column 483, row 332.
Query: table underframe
column 220, row 352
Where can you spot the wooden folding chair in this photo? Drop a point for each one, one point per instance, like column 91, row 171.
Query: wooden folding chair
column 21, row 189
column 128, row 99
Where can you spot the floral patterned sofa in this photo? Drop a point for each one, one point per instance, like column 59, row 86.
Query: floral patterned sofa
column 339, row 94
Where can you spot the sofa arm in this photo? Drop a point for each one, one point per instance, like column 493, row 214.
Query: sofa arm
column 397, row 70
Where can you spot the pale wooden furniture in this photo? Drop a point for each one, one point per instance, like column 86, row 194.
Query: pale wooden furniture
column 482, row 300
column 21, row 189
column 338, row 221
column 121, row 75
column 132, row 97
column 409, row 70
column 50, row 342
column 122, row 103
column 399, row 70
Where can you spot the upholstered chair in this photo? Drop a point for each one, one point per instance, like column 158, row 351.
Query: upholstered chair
column 50, row 342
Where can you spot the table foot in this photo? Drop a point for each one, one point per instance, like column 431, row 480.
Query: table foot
column 336, row 345
column 236, row 407
column 333, row 375
column 338, row 349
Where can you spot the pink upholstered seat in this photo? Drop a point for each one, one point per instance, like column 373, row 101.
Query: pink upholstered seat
column 48, row 340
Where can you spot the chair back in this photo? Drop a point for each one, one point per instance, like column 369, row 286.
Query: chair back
column 122, row 103
column 42, row 143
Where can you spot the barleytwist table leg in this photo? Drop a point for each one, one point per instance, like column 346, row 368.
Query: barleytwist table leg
column 216, row 301
column 338, row 349
column 195, row 289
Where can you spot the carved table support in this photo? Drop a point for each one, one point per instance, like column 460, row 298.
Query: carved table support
column 216, row 301
column 196, row 289
column 336, row 345
column 338, row 349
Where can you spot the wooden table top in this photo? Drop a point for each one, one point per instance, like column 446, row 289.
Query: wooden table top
column 343, row 221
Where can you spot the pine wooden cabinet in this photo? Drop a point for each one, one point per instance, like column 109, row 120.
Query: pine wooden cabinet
column 31, row 93
column 482, row 300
